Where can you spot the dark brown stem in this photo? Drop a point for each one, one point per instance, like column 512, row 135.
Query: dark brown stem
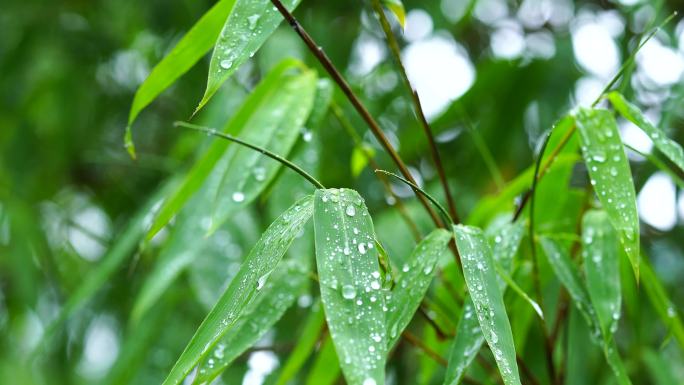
column 346, row 125
column 417, row 106
column 413, row 340
column 318, row 52
column 441, row 335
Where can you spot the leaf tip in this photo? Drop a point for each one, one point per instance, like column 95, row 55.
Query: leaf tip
column 128, row 142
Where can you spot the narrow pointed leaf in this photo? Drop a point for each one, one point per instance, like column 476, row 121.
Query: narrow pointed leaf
column 260, row 262
column 247, row 27
column 667, row 146
column 611, row 177
column 351, row 286
column 190, row 49
column 666, row 309
column 483, row 286
column 261, row 98
column 602, row 269
column 274, row 296
column 559, row 259
column 313, row 327
column 397, row 8
column 469, row 339
column 276, row 127
column 413, row 282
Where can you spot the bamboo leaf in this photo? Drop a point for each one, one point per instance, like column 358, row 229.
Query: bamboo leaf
column 311, row 331
column 359, row 158
column 666, row 309
column 483, row 286
column 413, row 282
column 559, row 259
column 351, row 289
column 191, row 48
column 262, row 98
column 252, row 275
column 667, row 146
column 602, row 269
column 276, row 128
column 269, row 304
column 397, row 8
column 247, row 27
column 611, row 177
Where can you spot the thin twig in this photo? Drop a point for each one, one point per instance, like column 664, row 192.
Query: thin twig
column 413, row 340
column 318, row 52
column 417, row 106
column 274, row 156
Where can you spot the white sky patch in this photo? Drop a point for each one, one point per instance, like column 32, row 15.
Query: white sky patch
column 261, row 364
column 540, row 45
column 101, row 348
column 440, row 70
column 587, row 89
column 635, row 137
column 508, row 41
column 656, row 202
column 491, row 11
column 535, row 13
column 595, row 49
column 418, row 25
column 91, row 223
column 367, row 53
column 662, row 65
column 453, row 10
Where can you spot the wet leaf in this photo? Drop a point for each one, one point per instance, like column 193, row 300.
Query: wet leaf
column 247, row 27
column 505, row 240
column 274, row 296
column 254, row 271
column 602, row 269
column 483, row 286
column 413, row 282
column 276, row 127
column 611, row 177
column 262, row 99
column 667, row 146
column 351, row 285
column 190, row 49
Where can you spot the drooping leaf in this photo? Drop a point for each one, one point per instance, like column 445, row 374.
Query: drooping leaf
column 260, row 101
column 191, row 48
column 413, row 282
column 254, row 272
column 397, row 8
column 602, row 269
column 247, row 27
column 276, row 128
column 274, row 296
column 666, row 309
column 326, row 368
column 505, row 240
column 667, row 146
column 311, row 331
column 350, row 282
column 483, row 286
column 611, row 177
column 559, row 259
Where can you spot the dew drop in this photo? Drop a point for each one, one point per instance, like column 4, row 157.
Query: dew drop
column 253, row 20
column 238, row 196
column 350, row 210
column 362, row 248
column 259, row 173
column 375, row 285
column 348, row 292
column 369, row 381
column 226, row 64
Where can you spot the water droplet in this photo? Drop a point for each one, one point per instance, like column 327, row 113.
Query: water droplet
column 405, row 269
column 369, row 381
column 226, row 64
column 253, row 20
column 307, row 135
column 613, row 171
column 348, row 292
column 362, row 248
column 262, row 281
column 427, row 269
column 599, row 157
column 346, row 251
column 370, row 349
column 259, row 173
column 238, row 196
column 350, row 210
column 375, row 285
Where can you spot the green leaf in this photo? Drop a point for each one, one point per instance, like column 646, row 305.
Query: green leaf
column 413, row 282
column 253, row 272
column 260, row 100
column 359, row 158
column 276, row 127
column 313, row 326
column 602, row 269
column 505, row 238
column 397, row 8
column 667, row 146
column 559, row 259
column 351, row 288
column 666, row 309
column 201, row 37
column 483, row 286
column 611, row 177
column 326, row 368
column 247, row 27
column 273, row 298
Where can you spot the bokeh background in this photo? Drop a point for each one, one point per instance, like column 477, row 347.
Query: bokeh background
column 493, row 75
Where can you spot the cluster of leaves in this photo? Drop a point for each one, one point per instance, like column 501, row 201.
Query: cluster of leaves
column 368, row 297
